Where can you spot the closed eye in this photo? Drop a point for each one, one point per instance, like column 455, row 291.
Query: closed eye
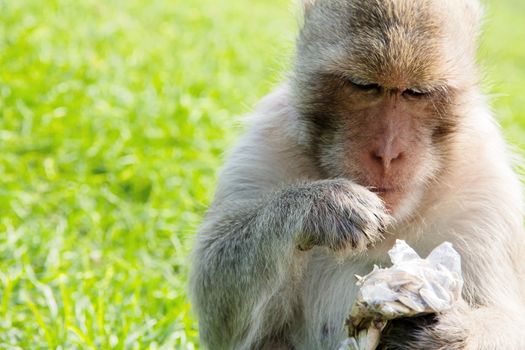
column 365, row 87
column 416, row 93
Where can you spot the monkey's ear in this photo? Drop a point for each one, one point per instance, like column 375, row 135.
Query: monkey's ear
column 306, row 5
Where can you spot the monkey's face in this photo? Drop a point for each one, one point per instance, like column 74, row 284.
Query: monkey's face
column 376, row 94
column 392, row 140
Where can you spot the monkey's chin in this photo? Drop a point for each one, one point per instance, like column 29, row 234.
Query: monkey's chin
column 400, row 203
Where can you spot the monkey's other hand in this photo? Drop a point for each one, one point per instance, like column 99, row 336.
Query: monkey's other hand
column 341, row 214
column 430, row 332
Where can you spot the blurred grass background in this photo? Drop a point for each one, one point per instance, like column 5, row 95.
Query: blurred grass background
column 114, row 116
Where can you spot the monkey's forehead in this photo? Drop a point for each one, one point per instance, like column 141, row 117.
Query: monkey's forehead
column 406, row 12
column 395, row 39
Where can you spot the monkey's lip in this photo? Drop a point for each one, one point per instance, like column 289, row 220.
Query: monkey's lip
column 381, row 190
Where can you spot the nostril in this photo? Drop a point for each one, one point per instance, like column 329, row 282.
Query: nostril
column 399, row 156
column 376, row 156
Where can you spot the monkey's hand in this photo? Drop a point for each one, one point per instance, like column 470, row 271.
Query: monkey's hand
column 445, row 331
column 341, row 214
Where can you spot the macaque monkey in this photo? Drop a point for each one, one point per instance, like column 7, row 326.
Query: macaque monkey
column 380, row 133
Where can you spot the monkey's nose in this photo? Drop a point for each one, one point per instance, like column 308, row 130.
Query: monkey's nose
column 385, row 157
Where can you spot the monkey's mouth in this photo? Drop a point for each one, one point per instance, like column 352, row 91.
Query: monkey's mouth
column 386, row 190
column 391, row 196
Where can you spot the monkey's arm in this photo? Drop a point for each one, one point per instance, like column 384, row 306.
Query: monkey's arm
column 493, row 324
column 246, row 252
column 493, row 315
column 487, row 231
column 238, row 266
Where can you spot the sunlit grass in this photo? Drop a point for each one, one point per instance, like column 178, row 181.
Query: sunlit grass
column 114, row 116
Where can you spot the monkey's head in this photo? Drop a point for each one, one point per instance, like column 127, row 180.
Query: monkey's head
column 378, row 84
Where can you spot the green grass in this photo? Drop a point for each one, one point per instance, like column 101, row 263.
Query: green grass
column 114, row 116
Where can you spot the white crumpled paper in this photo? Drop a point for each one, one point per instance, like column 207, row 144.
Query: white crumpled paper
column 410, row 287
